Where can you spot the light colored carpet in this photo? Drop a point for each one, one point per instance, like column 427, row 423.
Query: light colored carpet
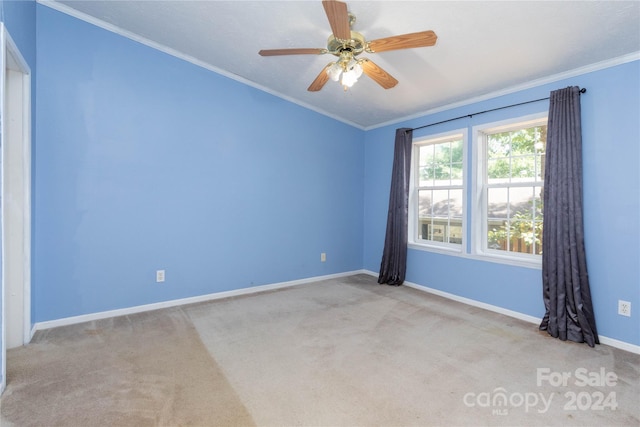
column 341, row 352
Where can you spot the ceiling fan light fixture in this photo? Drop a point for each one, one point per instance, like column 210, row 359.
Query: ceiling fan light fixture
column 349, row 78
column 356, row 68
column 352, row 72
column 334, row 71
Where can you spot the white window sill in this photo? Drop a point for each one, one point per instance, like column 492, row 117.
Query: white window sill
column 499, row 259
column 441, row 249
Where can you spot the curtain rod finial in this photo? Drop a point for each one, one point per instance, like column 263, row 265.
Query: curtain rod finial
column 583, row 90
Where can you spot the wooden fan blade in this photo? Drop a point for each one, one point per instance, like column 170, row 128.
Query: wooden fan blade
column 338, row 18
column 320, row 81
column 380, row 76
column 276, row 52
column 405, row 41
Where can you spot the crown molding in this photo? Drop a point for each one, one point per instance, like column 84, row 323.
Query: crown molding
column 635, row 56
column 517, row 88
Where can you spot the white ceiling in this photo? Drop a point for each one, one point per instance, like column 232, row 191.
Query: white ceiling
column 483, row 47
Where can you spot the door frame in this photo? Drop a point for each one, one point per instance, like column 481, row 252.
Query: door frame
column 12, row 59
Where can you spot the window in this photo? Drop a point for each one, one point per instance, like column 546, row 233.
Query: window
column 437, row 191
column 509, row 188
column 504, row 191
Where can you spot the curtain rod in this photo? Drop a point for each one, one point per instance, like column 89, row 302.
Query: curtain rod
column 583, row 90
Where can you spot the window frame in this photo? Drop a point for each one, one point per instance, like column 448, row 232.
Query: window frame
column 479, row 226
column 413, row 226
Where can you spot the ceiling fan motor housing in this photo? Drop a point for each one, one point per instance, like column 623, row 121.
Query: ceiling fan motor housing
column 356, row 45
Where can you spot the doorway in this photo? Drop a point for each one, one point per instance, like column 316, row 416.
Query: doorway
column 15, row 197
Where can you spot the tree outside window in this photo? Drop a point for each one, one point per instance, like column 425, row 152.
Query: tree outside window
column 514, row 184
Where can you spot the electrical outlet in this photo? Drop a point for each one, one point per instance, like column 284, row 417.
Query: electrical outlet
column 160, row 276
column 624, row 308
column 323, row 257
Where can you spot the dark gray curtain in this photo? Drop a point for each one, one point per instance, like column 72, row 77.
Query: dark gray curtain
column 567, row 298
column 394, row 258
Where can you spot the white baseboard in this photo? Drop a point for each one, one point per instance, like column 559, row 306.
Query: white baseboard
column 183, row 301
column 527, row 318
column 256, row 289
column 632, row 348
column 468, row 301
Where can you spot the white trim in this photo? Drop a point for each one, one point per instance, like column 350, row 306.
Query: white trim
column 444, row 249
column 3, row 332
column 257, row 289
column 183, row 301
column 597, row 66
column 514, row 262
column 16, row 62
column 468, row 301
column 632, row 348
column 26, row 275
column 474, row 303
column 20, row 79
column 515, row 314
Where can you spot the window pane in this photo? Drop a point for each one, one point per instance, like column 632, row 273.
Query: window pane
column 426, row 176
column 442, row 153
column 516, row 156
column 425, row 203
column 455, row 232
column 515, row 159
column 540, row 143
column 437, row 231
column 455, row 217
column 439, row 210
column 540, row 159
column 456, row 151
column 523, row 141
column 443, row 175
column 440, row 215
column 523, row 167
column 498, row 218
column 521, row 202
column 497, row 234
column 497, row 203
column 515, row 219
column 522, row 237
column 441, row 203
column 498, row 145
column 455, row 204
column 538, row 197
column 426, row 154
column 456, row 173
column 537, row 229
column 498, row 170
column 442, row 164
column 427, row 173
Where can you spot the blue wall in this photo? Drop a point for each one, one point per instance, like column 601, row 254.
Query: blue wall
column 146, row 162
column 19, row 17
column 611, row 154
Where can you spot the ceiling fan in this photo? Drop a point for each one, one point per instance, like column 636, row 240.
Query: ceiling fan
column 347, row 45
